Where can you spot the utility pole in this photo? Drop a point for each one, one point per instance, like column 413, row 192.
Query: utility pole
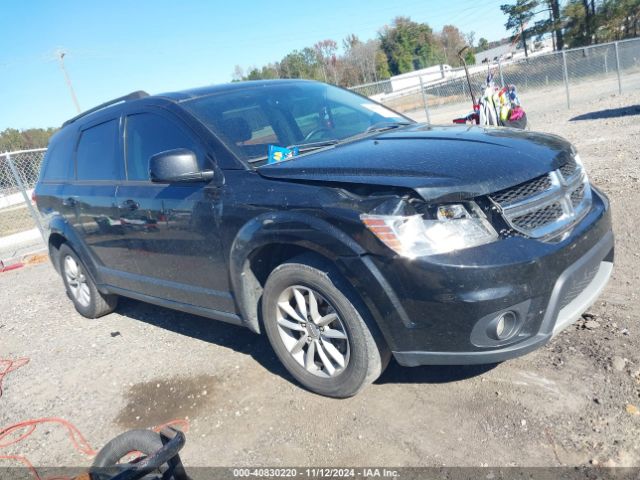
column 60, row 55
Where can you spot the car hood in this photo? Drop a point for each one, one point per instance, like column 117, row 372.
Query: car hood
column 455, row 162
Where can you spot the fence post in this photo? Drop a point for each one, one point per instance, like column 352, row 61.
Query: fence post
column 618, row 68
column 566, row 78
column 424, row 101
column 500, row 70
column 27, row 200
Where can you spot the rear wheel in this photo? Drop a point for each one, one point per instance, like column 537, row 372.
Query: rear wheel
column 89, row 302
column 320, row 330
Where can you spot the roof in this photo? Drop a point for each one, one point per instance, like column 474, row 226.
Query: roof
column 182, row 95
column 227, row 87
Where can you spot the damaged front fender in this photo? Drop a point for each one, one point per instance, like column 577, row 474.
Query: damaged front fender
column 275, row 229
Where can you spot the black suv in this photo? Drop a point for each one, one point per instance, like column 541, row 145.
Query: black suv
column 382, row 236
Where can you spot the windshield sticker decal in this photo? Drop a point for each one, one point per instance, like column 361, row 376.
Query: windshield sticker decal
column 278, row 154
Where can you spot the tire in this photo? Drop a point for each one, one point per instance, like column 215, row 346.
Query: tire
column 340, row 319
column 81, row 289
column 144, row 441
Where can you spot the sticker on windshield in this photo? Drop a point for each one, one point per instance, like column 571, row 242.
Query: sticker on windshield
column 380, row 110
column 278, row 154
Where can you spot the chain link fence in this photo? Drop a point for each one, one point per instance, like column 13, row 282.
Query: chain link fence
column 566, row 77
column 20, row 222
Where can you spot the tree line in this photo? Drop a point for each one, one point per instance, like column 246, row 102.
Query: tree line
column 12, row 139
column 403, row 46
column 579, row 23
column 406, row 45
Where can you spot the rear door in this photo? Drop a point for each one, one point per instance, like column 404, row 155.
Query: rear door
column 99, row 170
column 58, row 171
column 172, row 230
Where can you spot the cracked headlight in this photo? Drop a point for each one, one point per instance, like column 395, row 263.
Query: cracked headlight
column 451, row 227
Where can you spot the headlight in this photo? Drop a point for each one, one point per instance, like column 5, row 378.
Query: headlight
column 453, row 227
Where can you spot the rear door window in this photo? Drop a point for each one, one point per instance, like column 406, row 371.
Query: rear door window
column 98, row 156
column 148, row 134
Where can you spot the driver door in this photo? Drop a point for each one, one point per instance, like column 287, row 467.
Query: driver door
column 172, row 229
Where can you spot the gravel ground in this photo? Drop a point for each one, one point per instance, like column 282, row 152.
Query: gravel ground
column 572, row 402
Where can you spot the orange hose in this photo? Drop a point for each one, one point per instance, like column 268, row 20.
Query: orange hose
column 17, row 432
column 77, row 439
column 10, row 366
column 24, row 461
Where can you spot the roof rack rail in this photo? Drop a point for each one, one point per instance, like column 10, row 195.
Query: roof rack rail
column 125, row 98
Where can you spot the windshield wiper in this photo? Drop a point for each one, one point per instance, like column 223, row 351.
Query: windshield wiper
column 305, row 147
column 381, row 126
column 376, row 127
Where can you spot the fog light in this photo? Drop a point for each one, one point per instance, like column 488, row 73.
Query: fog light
column 506, row 325
column 500, row 327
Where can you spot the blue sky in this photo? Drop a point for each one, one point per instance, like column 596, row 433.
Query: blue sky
column 115, row 47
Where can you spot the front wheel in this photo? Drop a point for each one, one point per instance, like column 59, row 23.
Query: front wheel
column 320, row 330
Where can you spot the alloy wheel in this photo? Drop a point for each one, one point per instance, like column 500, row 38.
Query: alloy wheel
column 77, row 281
column 312, row 331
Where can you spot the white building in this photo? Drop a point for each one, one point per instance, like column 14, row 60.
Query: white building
column 412, row 79
column 501, row 52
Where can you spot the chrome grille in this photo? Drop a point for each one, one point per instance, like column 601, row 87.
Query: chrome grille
column 548, row 205
column 540, row 217
column 577, row 195
column 523, row 190
column 569, row 168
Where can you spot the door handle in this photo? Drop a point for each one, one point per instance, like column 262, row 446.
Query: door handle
column 69, row 202
column 130, row 205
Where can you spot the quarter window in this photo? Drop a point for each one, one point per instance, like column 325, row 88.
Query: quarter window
column 148, row 134
column 98, row 153
column 58, row 163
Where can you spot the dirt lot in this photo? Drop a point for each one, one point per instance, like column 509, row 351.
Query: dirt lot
column 570, row 403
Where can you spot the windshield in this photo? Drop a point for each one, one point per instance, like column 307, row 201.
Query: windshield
column 289, row 114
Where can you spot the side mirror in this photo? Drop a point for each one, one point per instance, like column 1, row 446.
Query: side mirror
column 178, row 165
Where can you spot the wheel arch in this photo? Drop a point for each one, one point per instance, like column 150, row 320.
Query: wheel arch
column 270, row 240
column 60, row 232
column 55, row 242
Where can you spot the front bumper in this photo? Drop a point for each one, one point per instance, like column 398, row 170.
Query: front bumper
column 557, row 316
column 438, row 310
